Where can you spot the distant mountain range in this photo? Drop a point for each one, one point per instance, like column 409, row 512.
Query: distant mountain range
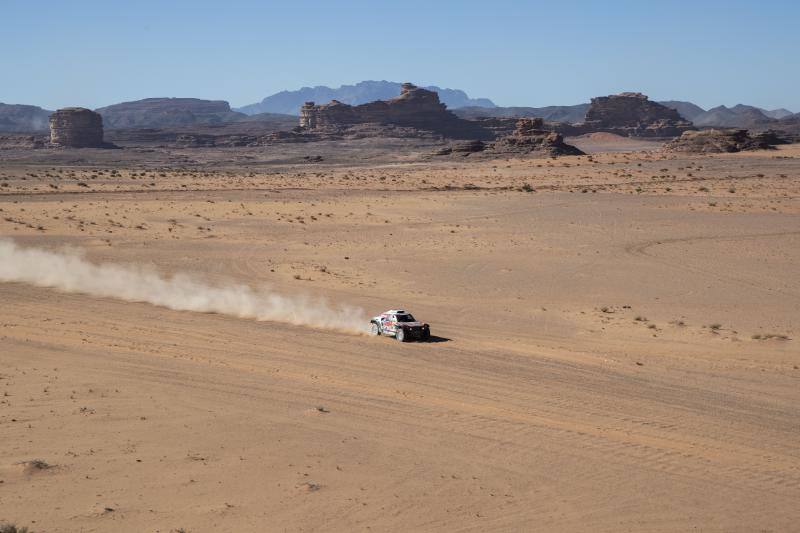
column 282, row 107
column 289, row 102
column 161, row 112
column 687, row 110
column 23, row 118
column 738, row 116
column 778, row 113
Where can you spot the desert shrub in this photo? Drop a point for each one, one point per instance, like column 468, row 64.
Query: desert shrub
column 38, row 464
column 12, row 528
column 768, row 336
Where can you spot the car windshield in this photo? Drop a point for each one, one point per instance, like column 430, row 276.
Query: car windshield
column 405, row 318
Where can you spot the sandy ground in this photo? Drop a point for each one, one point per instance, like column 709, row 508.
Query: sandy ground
column 616, row 346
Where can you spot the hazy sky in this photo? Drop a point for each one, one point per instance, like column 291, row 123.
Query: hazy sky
column 95, row 53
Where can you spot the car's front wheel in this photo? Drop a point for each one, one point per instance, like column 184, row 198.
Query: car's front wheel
column 374, row 329
column 400, row 335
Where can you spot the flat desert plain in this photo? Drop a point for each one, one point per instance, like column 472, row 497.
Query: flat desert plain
column 615, row 345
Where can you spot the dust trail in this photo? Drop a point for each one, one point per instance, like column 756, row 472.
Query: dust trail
column 70, row 272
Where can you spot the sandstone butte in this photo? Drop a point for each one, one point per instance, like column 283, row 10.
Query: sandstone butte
column 76, row 127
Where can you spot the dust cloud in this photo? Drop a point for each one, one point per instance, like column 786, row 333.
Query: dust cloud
column 69, row 271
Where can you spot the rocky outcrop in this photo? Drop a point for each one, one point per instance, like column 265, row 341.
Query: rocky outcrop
column 415, row 107
column 76, row 127
column 462, row 148
column 719, row 141
column 626, row 114
column 570, row 114
column 168, row 112
column 19, row 140
column 633, row 115
column 773, row 137
column 531, row 137
column 199, row 140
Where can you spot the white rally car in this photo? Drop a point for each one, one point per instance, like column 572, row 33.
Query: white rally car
column 401, row 325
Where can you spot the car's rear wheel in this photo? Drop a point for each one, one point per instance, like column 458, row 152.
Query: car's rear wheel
column 426, row 335
column 374, row 329
column 400, row 335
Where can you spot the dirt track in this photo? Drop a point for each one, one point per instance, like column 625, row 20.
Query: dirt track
column 601, row 363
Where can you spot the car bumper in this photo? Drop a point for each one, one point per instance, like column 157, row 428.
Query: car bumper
column 416, row 333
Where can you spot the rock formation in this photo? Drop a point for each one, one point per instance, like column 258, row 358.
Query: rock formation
column 633, row 115
column 76, row 127
column 719, row 141
column 290, row 102
column 530, row 137
column 462, row 148
column 570, row 114
column 415, row 107
column 19, row 140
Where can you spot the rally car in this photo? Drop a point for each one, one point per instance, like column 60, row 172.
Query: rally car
column 401, row 325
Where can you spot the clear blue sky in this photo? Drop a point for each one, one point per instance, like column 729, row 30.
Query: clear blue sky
column 94, row 53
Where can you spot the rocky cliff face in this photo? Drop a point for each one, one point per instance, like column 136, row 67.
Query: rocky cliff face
column 168, row 112
column 415, row 107
column 633, row 115
column 76, row 127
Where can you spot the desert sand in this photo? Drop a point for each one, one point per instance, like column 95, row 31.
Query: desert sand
column 615, row 343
